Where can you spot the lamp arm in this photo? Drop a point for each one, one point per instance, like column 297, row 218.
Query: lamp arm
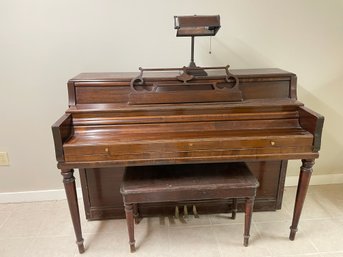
column 192, row 51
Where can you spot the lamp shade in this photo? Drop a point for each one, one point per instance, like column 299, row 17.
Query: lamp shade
column 202, row 25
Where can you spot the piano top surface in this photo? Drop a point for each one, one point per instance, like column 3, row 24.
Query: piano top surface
column 124, row 76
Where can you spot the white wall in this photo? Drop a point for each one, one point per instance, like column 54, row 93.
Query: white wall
column 44, row 43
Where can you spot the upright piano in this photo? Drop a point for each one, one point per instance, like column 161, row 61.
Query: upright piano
column 168, row 116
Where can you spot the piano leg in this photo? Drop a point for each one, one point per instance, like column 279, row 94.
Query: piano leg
column 304, row 180
column 249, row 205
column 70, row 189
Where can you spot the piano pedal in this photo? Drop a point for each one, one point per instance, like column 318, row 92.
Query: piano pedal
column 185, row 211
column 195, row 212
column 177, row 212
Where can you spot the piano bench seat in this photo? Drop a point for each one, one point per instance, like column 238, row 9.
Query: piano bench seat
column 188, row 182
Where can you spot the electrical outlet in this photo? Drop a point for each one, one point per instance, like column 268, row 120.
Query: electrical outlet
column 4, row 159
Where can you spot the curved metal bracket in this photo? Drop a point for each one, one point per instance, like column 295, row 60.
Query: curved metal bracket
column 184, row 77
column 230, row 75
column 139, row 78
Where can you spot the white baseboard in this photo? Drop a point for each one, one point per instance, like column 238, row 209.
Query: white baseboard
column 59, row 194
column 36, row 196
column 316, row 179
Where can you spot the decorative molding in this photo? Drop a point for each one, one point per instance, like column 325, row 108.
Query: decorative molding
column 59, row 194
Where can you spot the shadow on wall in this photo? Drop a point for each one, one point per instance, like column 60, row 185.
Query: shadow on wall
column 243, row 56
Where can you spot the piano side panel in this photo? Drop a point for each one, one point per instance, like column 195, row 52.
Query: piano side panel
column 62, row 129
column 102, row 198
column 313, row 122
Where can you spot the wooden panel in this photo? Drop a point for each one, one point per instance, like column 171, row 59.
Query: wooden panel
column 101, row 88
column 101, row 94
column 148, row 146
column 266, row 89
column 220, row 126
column 93, row 93
column 185, row 97
column 103, row 199
column 101, row 194
column 124, row 117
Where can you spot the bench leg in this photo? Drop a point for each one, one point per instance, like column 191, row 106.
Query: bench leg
column 234, row 208
column 136, row 214
column 249, row 205
column 130, row 226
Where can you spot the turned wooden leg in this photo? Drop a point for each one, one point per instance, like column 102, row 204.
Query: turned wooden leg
column 303, row 183
column 130, row 226
column 70, row 189
column 249, row 205
column 136, row 214
column 234, row 208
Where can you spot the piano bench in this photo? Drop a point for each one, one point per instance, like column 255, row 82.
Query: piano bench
column 189, row 182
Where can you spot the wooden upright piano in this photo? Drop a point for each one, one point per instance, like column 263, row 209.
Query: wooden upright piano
column 167, row 116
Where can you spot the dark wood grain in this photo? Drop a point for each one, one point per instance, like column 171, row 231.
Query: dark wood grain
column 62, row 129
column 69, row 185
column 249, row 205
column 181, row 183
column 101, row 130
column 103, row 201
column 304, row 180
column 313, row 122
